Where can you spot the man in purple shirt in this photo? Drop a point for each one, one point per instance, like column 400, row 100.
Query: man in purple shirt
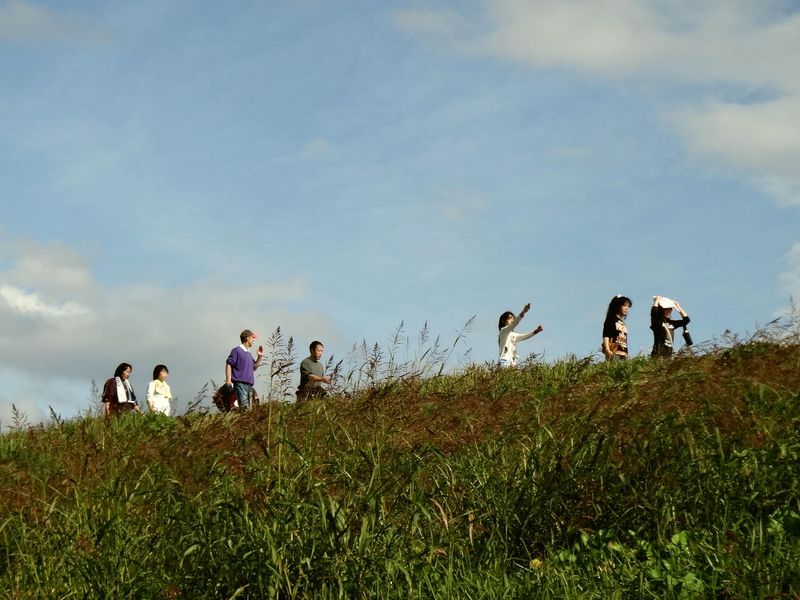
column 240, row 368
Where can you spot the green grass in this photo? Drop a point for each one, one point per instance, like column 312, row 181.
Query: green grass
column 643, row 479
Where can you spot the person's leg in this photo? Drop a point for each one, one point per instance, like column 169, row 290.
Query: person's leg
column 242, row 394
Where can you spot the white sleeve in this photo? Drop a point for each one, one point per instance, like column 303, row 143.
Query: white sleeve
column 525, row 336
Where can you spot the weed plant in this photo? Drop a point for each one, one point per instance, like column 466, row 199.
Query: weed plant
column 637, row 479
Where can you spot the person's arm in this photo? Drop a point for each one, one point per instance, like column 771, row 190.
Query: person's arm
column 133, row 398
column 305, row 373
column 680, row 322
column 521, row 315
column 609, row 336
column 229, row 362
column 511, row 326
column 151, row 390
column 308, row 377
column 684, row 317
column 530, row 334
column 109, row 391
column 260, row 358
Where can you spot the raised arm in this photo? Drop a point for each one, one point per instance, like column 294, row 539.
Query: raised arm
column 530, row 334
column 684, row 321
column 260, row 358
column 524, row 310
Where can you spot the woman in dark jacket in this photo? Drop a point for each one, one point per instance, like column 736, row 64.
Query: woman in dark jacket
column 118, row 394
column 663, row 326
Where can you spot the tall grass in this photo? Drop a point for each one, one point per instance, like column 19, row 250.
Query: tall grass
column 643, row 479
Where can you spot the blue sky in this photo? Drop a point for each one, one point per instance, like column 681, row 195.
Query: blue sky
column 173, row 172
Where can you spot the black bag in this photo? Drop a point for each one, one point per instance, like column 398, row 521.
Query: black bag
column 687, row 337
column 224, row 398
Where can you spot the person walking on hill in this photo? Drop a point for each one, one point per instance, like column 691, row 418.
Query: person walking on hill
column 663, row 327
column 615, row 332
column 118, row 396
column 312, row 374
column 240, row 368
column 507, row 338
column 158, row 392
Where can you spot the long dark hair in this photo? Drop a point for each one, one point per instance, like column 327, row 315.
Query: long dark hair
column 658, row 315
column 121, row 368
column 615, row 307
column 502, row 322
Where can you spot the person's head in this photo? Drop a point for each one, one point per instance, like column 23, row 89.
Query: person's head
column 660, row 314
column 247, row 337
column 316, row 349
column 619, row 307
column 160, row 372
column 505, row 319
column 123, row 371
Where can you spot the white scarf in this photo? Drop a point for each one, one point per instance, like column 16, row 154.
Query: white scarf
column 122, row 392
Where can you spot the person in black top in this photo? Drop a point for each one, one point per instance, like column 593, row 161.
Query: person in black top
column 615, row 332
column 663, row 327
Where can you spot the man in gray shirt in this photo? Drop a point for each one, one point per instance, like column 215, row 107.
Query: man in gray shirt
column 312, row 374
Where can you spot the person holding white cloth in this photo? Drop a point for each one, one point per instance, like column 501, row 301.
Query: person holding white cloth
column 664, row 327
column 158, row 392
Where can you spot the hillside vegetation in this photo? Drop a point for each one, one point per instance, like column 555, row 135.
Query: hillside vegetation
column 642, row 479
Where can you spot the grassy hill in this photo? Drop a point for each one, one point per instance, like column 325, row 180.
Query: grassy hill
column 643, row 479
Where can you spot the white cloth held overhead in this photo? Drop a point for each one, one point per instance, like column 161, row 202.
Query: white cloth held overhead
column 664, row 302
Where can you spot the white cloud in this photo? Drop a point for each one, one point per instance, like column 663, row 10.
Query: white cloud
column 762, row 139
column 753, row 46
column 737, row 42
column 191, row 328
column 764, row 136
column 53, row 267
column 786, row 190
column 29, row 303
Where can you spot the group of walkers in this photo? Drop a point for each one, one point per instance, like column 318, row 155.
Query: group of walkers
column 118, row 395
column 237, row 393
column 615, row 331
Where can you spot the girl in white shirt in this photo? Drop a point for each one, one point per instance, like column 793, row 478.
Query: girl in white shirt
column 507, row 338
column 158, row 392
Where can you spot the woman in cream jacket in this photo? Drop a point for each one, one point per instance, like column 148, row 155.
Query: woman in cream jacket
column 158, row 392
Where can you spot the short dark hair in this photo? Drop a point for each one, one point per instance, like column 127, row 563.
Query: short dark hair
column 244, row 335
column 313, row 345
column 122, row 366
column 502, row 321
column 157, row 370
